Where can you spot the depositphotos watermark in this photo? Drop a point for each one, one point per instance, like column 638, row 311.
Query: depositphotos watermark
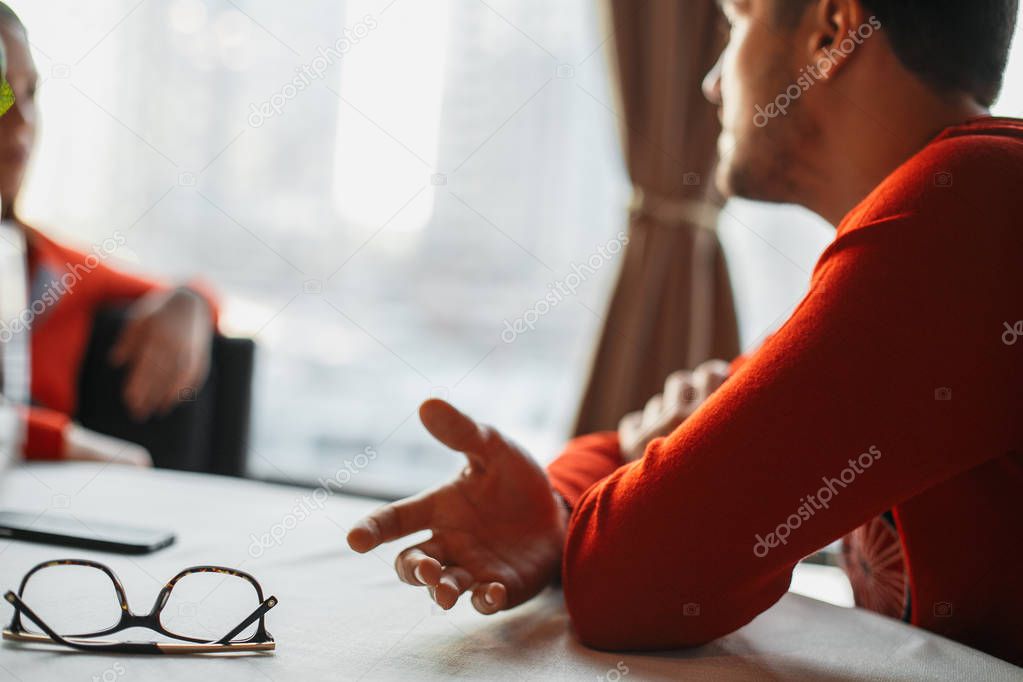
column 111, row 674
column 810, row 75
column 563, row 288
column 60, row 287
column 308, row 504
column 615, row 674
column 1012, row 333
column 311, row 72
column 812, row 503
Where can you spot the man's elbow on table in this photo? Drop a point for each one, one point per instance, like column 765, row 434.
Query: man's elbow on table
column 612, row 614
column 628, row 593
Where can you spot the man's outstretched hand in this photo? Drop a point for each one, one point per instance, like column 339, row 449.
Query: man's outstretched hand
column 497, row 529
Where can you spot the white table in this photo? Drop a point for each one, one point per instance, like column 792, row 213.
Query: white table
column 344, row 616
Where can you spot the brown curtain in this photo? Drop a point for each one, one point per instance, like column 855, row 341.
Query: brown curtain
column 672, row 306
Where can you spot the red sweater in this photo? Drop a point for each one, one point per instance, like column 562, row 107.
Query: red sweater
column 74, row 285
column 889, row 388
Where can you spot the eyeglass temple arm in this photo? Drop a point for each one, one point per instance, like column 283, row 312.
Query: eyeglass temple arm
column 268, row 604
column 120, row 647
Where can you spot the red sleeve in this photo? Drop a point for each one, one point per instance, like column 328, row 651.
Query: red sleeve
column 737, row 363
column 585, row 460
column 815, row 413
column 44, row 433
column 592, row 457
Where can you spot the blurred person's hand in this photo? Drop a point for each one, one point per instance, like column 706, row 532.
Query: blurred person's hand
column 165, row 347
column 684, row 391
column 498, row 528
column 83, row 445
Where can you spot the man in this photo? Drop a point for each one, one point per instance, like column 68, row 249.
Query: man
column 165, row 344
column 888, row 407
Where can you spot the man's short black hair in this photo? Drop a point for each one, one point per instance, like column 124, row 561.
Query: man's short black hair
column 952, row 45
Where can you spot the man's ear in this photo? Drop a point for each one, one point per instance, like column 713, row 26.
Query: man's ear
column 837, row 29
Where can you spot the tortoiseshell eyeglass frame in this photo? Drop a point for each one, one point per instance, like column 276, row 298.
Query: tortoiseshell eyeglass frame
column 261, row 640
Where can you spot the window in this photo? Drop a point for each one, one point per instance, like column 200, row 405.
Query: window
column 374, row 187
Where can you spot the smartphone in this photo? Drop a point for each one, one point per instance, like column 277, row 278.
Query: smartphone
column 69, row 531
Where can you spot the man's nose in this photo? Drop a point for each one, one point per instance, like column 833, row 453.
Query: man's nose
column 712, row 84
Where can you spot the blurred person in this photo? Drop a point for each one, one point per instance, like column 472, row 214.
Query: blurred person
column 886, row 409
column 165, row 345
column 6, row 94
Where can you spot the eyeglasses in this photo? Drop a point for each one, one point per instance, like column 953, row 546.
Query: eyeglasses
column 82, row 601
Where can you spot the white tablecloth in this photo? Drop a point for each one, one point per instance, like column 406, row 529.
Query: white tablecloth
column 344, row 616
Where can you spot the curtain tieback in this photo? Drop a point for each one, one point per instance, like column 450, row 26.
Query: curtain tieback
column 673, row 212
column 691, row 213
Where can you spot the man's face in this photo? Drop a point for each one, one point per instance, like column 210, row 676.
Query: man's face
column 17, row 126
column 758, row 152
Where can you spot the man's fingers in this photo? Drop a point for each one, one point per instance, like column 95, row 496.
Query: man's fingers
column 630, row 424
column 710, row 375
column 391, row 522
column 652, row 409
column 489, row 598
column 705, row 380
column 454, row 580
column 454, row 429
column 678, row 388
column 420, row 565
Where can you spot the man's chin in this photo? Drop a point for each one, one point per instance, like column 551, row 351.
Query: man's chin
column 735, row 181
column 741, row 182
column 731, row 176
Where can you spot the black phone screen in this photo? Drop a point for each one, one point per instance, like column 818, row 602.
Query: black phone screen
column 70, row 531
